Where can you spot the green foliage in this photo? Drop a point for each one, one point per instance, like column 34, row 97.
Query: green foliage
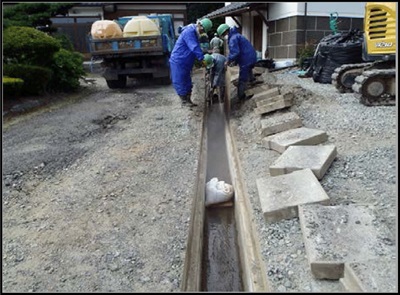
column 32, row 14
column 28, row 46
column 12, row 86
column 306, row 52
column 67, row 67
column 198, row 10
column 64, row 40
column 35, row 78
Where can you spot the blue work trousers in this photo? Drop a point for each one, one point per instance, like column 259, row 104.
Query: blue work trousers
column 181, row 79
column 245, row 75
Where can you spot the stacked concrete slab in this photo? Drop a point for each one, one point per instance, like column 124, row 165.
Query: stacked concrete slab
column 342, row 242
column 270, row 100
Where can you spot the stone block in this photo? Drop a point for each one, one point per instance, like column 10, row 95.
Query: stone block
column 279, row 122
column 317, row 158
column 371, row 276
column 272, row 106
column 298, row 136
column 287, row 98
column 234, row 77
column 265, row 94
column 335, row 235
column 281, row 195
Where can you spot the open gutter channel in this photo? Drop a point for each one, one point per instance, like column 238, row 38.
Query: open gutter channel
column 222, row 251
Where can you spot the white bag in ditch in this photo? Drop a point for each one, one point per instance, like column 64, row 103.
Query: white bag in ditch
column 218, row 192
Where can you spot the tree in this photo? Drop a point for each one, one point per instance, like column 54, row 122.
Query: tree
column 33, row 14
column 198, row 10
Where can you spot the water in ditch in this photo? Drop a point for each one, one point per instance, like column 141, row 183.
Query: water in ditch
column 221, row 269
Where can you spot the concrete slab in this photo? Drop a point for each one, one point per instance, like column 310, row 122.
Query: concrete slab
column 280, row 122
column 298, row 136
column 281, row 195
column 234, row 70
column 265, row 94
column 257, row 89
column 335, row 235
column 372, row 276
column 269, row 100
column 234, row 77
column 287, row 97
column 272, row 106
column 297, row 157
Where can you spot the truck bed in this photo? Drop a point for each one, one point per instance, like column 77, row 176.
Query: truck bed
column 126, row 46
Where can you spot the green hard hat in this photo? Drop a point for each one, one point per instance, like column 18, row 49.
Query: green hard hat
column 222, row 29
column 206, row 24
column 208, row 60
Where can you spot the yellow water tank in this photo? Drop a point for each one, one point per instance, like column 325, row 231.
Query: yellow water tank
column 140, row 26
column 103, row 29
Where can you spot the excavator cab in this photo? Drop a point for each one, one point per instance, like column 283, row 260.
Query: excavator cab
column 379, row 31
column 374, row 80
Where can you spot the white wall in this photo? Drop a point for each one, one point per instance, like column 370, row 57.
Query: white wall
column 151, row 7
column 344, row 9
column 86, row 11
column 229, row 21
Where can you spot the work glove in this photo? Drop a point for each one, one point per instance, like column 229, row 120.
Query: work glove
column 203, row 63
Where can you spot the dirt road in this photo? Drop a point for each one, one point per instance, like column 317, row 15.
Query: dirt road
column 97, row 192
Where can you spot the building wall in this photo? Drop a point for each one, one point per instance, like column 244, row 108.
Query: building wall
column 287, row 36
column 289, row 29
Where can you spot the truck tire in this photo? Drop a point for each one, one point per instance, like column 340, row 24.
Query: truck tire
column 163, row 81
column 120, row 83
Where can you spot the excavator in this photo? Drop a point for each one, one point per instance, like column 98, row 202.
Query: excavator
column 374, row 80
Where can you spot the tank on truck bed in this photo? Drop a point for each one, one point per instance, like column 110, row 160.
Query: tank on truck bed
column 142, row 52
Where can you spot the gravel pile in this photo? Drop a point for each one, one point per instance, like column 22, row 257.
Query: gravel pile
column 364, row 171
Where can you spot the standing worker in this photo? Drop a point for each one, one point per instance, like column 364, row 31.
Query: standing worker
column 215, row 63
column 241, row 52
column 186, row 50
column 216, row 44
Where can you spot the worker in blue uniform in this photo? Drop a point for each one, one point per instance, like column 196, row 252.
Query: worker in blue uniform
column 215, row 64
column 186, row 50
column 241, row 52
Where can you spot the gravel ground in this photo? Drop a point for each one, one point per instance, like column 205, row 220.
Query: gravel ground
column 364, row 171
column 97, row 193
column 98, row 187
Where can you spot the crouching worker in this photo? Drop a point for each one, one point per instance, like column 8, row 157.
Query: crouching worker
column 215, row 63
column 186, row 50
column 241, row 52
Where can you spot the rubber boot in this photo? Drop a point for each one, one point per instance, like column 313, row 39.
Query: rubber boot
column 190, row 102
column 183, row 99
column 240, row 90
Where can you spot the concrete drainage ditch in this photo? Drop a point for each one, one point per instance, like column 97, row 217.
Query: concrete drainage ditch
column 222, row 250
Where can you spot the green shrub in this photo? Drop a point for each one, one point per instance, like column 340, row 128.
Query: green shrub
column 26, row 45
column 306, row 52
column 12, row 86
column 35, row 78
column 67, row 68
column 65, row 42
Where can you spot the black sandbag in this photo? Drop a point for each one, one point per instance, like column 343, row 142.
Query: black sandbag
column 334, row 51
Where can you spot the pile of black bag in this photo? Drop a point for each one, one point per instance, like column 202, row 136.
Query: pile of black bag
column 333, row 51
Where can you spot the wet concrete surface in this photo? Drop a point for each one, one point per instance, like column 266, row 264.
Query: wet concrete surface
column 221, row 262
